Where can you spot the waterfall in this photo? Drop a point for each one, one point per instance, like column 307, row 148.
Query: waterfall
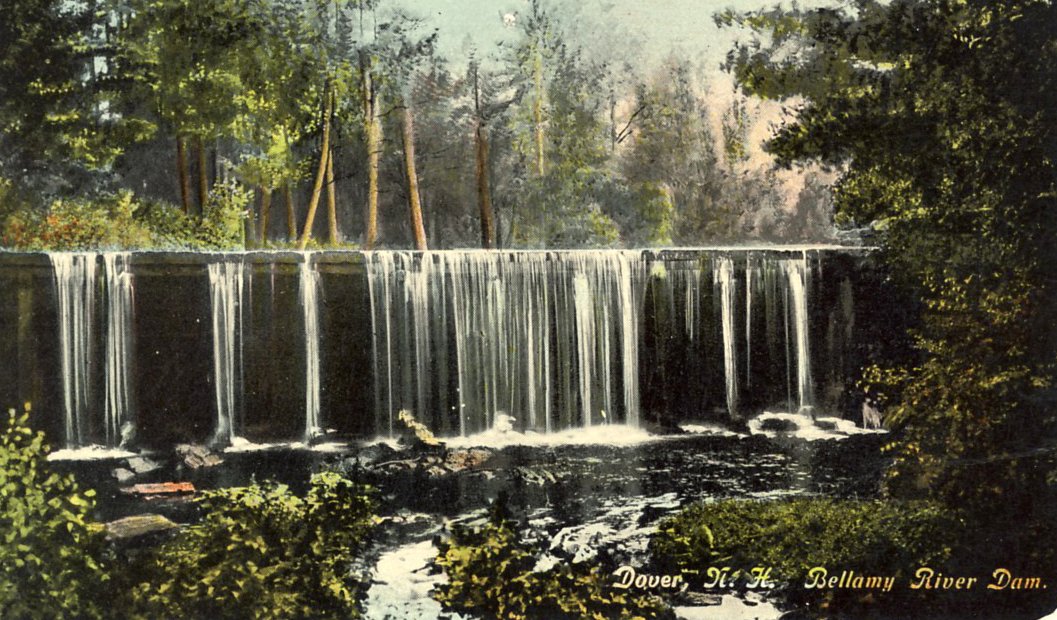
column 119, row 334
column 724, row 277
column 797, row 274
column 544, row 340
column 309, row 295
column 585, row 342
column 380, row 273
column 226, row 280
column 550, row 338
column 74, row 275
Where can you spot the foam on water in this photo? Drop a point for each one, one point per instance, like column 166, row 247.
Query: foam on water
column 806, row 427
column 90, row 453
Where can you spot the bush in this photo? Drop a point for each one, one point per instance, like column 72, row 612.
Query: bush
column 491, row 573
column 263, row 552
column 79, row 224
column 123, row 221
column 791, row 537
column 51, row 555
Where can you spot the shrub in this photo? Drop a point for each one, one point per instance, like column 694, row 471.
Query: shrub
column 79, row 224
column 491, row 573
column 263, row 552
column 872, row 538
column 51, row 555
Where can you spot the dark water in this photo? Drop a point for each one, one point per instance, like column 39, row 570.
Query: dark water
column 594, row 503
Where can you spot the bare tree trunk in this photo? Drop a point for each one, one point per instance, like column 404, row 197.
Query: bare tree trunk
column 266, row 206
column 413, row 198
column 181, row 168
column 203, row 175
column 374, row 148
column 484, row 195
column 291, row 213
column 332, row 202
column 249, row 225
column 324, row 157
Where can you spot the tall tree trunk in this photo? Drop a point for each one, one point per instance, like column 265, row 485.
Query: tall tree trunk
column 266, row 207
column 203, row 175
column 484, row 195
column 374, row 148
column 181, row 169
column 413, row 199
column 332, row 202
column 291, row 213
column 324, row 157
column 249, row 225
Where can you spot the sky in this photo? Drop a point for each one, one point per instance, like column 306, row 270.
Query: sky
column 656, row 27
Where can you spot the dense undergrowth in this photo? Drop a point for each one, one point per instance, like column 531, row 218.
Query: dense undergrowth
column 858, row 538
column 492, row 573
column 260, row 551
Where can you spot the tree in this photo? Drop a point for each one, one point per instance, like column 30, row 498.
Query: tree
column 47, row 120
column 671, row 145
column 943, row 116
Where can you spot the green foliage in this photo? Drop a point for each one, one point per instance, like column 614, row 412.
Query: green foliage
column 263, row 552
column 568, row 211
column 492, row 574
column 51, row 554
column 122, row 221
column 791, row 537
column 943, row 116
column 79, row 224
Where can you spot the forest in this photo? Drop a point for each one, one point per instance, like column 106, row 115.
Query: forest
column 341, row 123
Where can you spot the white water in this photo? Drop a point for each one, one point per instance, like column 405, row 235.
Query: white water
column 806, row 427
column 309, row 294
column 74, row 274
column 724, row 277
column 226, row 281
column 797, row 273
column 119, row 334
column 551, row 337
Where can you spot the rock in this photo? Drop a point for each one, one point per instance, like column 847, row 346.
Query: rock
column 161, row 488
column 138, row 526
column 373, row 455
column 197, row 456
column 461, row 460
column 826, row 425
column 779, row 425
column 123, row 475
column 142, row 465
column 416, row 434
column 701, row 599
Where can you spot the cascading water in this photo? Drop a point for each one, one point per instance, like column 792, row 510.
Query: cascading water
column 469, row 340
column 309, row 295
column 534, row 336
column 797, row 273
column 724, row 277
column 119, row 333
column 74, row 275
column 226, row 281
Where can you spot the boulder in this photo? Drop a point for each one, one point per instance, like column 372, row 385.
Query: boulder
column 415, row 434
column 138, row 527
column 197, row 456
column 123, row 475
column 141, row 465
column 461, row 460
